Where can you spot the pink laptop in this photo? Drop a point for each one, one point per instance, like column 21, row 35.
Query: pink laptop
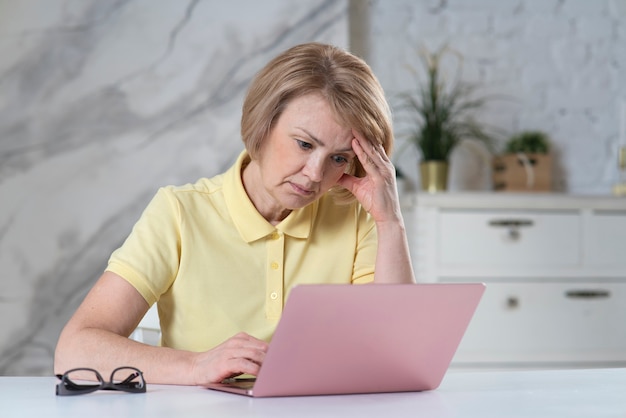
column 348, row 339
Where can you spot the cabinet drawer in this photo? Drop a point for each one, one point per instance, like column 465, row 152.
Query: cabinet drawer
column 548, row 323
column 606, row 234
column 509, row 238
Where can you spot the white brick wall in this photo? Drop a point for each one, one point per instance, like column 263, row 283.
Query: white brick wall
column 563, row 60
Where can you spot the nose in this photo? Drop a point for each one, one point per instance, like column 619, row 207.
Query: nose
column 314, row 169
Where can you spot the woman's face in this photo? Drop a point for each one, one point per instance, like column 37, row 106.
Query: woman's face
column 305, row 154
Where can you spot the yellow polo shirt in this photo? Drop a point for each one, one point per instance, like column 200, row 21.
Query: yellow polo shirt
column 217, row 267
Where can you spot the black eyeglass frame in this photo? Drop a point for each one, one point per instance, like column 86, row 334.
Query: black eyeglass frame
column 67, row 387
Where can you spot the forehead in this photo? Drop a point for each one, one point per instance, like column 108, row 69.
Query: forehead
column 308, row 102
column 314, row 111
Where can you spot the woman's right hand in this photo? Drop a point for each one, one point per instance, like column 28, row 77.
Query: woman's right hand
column 240, row 354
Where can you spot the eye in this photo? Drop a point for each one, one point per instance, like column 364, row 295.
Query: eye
column 304, row 145
column 339, row 159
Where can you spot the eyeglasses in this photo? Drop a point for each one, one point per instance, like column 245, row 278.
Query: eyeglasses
column 125, row 379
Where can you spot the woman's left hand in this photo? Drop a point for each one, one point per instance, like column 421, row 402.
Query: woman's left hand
column 377, row 191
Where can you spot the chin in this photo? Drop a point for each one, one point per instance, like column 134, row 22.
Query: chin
column 292, row 203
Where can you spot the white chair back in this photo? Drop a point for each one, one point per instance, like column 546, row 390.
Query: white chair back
column 149, row 329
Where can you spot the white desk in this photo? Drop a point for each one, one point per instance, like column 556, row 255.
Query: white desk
column 559, row 393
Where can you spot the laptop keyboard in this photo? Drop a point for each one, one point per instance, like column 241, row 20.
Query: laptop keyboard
column 243, row 383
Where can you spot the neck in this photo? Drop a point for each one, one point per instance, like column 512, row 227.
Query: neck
column 250, row 177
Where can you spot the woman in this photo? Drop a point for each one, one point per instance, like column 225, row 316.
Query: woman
column 312, row 199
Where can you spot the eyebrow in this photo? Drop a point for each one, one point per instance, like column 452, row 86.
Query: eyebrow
column 320, row 142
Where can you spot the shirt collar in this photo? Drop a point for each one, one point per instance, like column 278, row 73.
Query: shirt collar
column 249, row 222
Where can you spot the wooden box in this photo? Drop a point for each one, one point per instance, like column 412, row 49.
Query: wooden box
column 522, row 172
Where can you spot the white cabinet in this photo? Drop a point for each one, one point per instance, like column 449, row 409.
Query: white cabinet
column 606, row 239
column 554, row 266
column 549, row 323
column 503, row 238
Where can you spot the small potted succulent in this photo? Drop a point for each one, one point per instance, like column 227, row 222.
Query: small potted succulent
column 526, row 164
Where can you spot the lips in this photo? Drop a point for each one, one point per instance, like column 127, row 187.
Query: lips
column 305, row 191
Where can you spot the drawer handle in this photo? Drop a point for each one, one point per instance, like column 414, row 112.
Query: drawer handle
column 588, row 294
column 512, row 302
column 510, row 223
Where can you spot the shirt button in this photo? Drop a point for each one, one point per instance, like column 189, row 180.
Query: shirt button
column 275, row 235
column 274, row 266
column 274, row 295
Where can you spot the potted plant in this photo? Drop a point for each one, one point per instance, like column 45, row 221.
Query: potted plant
column 529, row 142
column 526, row 163
column 443, row 116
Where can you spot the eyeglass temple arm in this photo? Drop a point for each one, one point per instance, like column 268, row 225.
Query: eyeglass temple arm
column 129, row 378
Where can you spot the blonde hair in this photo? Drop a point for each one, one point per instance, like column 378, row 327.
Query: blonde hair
column 344, row 80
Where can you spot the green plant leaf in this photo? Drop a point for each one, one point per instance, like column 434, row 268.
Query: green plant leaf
column 529, row 142
column 443, row 113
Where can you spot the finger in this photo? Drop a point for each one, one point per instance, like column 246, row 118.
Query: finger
column 362, row 140
column 378, row 154
column 245, row 345
column 235, row 361
column 374, row 150
column 382, row 153
column 242, row 366
column 235, row 367
column 364, row 158
column 244, row 337
column 249, row 354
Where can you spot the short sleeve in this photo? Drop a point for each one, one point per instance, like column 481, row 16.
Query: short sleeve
column 150, row 256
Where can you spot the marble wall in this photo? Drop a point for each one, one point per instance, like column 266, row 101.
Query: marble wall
column 102, row 102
